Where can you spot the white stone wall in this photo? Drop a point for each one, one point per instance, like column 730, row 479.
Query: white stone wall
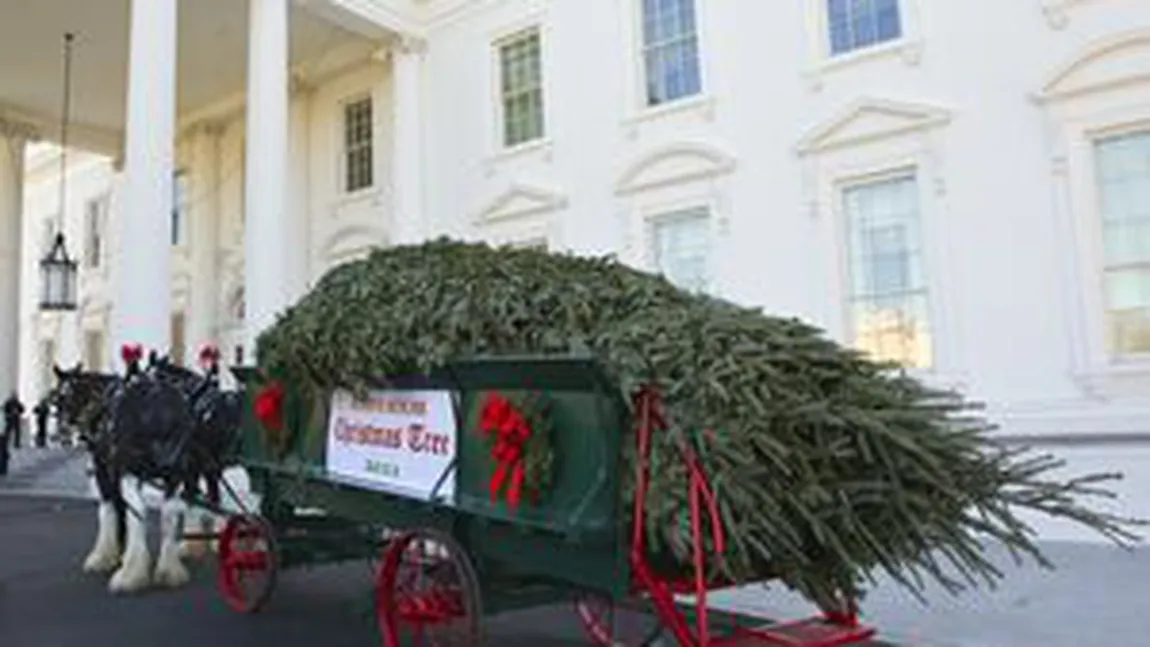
column 990, row 102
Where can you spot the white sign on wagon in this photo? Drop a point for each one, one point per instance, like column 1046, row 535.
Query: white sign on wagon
column 400, row 442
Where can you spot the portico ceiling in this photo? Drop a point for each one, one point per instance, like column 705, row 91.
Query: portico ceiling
column 212, row 55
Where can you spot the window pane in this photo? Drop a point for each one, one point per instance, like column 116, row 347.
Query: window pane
column 650, row 21
column 1129, row 331
column 862, row 22
column 1128, row 242
column 895, row 331
column 1128, row 289
column 888, row 24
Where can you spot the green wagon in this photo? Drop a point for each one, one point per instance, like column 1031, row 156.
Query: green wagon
column 488, row 486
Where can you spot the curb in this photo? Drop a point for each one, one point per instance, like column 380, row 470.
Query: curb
column 45, row 494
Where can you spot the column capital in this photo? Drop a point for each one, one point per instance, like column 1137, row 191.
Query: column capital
column 14, row 128
column 210, row 127
column 299, row 83
column 409, row 44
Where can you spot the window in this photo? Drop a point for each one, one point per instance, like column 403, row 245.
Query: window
column 1124, row 188
column 670, row 50
column 855, row 24
column 179, row 206
column 94, row 232
column 521, row 88
column 887, row 296
column 682, row 248
column 358, row 153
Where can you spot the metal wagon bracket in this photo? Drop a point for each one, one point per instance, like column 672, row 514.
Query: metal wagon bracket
column 833, row 629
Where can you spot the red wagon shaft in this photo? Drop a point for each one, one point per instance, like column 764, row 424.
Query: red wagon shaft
column 834, row 628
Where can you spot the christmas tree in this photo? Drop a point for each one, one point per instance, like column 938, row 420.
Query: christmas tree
column 827, row 467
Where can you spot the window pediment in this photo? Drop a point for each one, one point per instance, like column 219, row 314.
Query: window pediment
column 1108, row 64
column 870, row 120
column 350, row 243
column 675, row 164
column 521, row 200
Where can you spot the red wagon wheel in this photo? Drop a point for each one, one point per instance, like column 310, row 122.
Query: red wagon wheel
column 428, row 587
column 610, row 625
column 248, row 562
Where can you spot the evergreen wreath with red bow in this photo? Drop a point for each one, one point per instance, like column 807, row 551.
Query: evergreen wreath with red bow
column 268, row 407
column 518, row 432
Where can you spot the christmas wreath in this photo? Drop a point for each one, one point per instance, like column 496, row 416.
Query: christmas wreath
column 518, row 432
column 269, row 410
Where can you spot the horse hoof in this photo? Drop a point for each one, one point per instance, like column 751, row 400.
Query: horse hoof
column 173, row 576
column 193, row 549
column 127, row 581
column 105, row 563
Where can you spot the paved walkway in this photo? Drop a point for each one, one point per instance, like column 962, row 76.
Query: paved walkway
column 52, row 471
column 47, row 601
column 1098, row 597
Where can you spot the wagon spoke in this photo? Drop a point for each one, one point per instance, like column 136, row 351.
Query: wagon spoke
column 249, row 561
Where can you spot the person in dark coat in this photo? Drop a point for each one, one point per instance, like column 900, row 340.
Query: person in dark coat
column 13, row 413
column 13, row 410
column 41, row 412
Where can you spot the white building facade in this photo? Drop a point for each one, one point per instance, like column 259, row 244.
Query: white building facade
column 962, row 186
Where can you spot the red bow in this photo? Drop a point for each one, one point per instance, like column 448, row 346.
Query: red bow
column 501, row 419
column 209, row 355
column 131, row 353
column 269, row 406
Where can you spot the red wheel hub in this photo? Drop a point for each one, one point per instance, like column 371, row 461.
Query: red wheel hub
column 248, row 563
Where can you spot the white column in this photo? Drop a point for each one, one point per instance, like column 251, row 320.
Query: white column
column 142, row 310
column 12, row 143
column 205, row 288
column 298, row 270
column 409, row 217
column 265, row 237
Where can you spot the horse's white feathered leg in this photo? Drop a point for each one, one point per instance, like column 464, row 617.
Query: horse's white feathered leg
column 105, row 554
column 216, row 525
column 134, row 573
column 170, row 571
column 194, row 522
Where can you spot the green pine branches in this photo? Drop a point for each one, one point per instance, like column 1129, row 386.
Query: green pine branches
column 827, row 467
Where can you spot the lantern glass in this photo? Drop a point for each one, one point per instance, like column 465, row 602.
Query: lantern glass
column 58, row 278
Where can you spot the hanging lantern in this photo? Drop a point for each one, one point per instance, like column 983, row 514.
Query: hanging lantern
column 58, row 278
column 57, row 269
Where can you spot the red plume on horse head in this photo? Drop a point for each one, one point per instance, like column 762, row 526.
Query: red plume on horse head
column 131, row 353
column 209, row 355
